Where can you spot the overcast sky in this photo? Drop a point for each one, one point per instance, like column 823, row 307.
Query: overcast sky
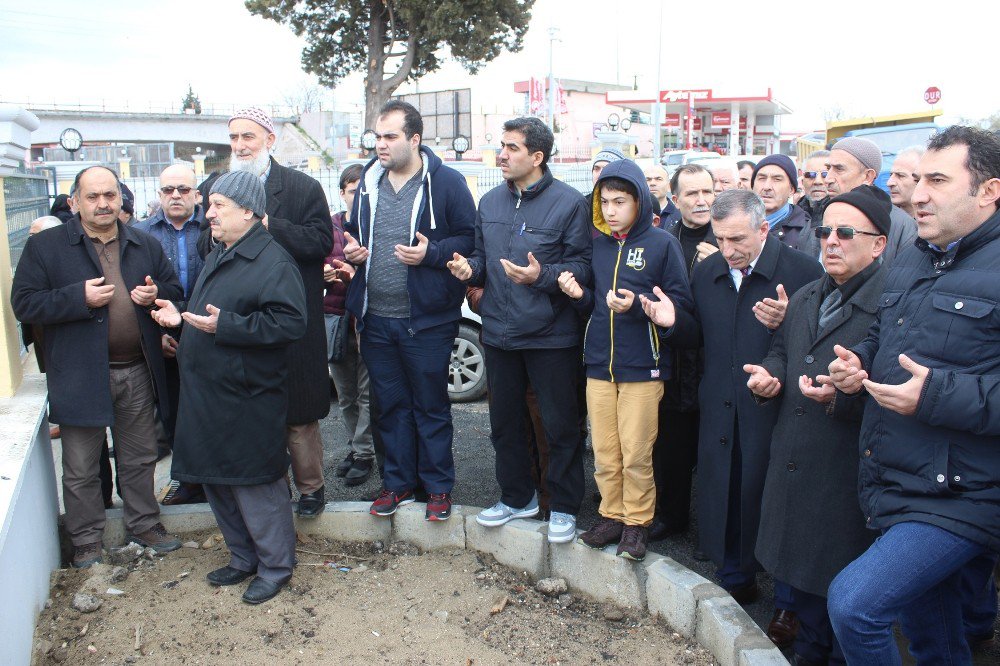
column 877, row 57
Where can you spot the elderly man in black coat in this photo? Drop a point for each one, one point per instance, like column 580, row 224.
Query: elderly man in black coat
column 812, row 478
column 740, row 294
column 298, row 218
column 88, row 284
column 247, row 306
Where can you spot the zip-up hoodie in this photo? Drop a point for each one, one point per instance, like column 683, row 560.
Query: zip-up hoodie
column 445, row 213
column 625, row 347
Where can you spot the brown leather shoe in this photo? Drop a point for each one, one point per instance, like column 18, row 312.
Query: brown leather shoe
column 606, row 532
column 55, row 432
column 783, row 628
column 746, row 594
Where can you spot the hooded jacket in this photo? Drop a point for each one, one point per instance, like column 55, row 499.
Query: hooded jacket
column 445, row 213
column 549, row 220
column 625, row 347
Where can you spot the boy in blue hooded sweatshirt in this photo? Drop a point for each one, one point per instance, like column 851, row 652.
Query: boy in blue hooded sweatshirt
column 625, row 365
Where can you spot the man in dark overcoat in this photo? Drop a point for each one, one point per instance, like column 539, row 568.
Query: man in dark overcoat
column 812, row 478
column 298, row 218
column 88, row 285
column 247, row 306
column 741, row 293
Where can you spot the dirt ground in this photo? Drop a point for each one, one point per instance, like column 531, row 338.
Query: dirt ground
column 348, row 603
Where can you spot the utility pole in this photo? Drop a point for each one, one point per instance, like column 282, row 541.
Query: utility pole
column 657, row 109
column 553, row 31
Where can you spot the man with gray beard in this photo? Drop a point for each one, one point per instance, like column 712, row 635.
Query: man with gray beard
column 298, row 217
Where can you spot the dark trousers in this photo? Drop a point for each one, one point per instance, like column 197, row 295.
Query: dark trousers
column 674, row 456
column 173, row 376
column 815, row 641
column 979, row 598
column 409, row 382
column 256, row 522
column 553, row 375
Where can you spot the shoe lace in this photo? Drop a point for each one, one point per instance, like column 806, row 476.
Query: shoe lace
column 385, row 493
column 437, row 497
column 159, row 530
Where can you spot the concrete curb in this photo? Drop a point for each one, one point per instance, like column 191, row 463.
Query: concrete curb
column 690, row 604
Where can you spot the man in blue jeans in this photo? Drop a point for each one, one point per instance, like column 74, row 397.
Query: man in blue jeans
column 411, row 214
column 930, row 439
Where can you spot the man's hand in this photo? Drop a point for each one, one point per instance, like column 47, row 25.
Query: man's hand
column 166, row 315
column 846, row 372
column 704, row 250
column 353, row 251
column 661, row 311
column 761, row 382
column 96, row 293
column 522, row 274
column 263, row 221
column 901, row 398
column 329, row 273
column 168, row 345
column 145, row 294
column 208, row 323
column 822, row 391
column 618, row 303
column 771, row 312
column 569, row 285
column 412, row 255
column 460, row 267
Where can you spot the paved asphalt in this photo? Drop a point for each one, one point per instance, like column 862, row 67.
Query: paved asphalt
column 476, row 486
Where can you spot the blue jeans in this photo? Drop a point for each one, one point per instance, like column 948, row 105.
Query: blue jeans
column 408, row 374
column 912, row 573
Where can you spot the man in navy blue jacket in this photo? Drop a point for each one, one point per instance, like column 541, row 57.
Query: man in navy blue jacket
column 410, row 216
column 930, row 439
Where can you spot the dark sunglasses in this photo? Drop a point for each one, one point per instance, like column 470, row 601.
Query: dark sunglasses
column 813, row 174
column 843, row 233
column 169, row 189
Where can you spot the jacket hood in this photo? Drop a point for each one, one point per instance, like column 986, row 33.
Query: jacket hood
column 630, row 172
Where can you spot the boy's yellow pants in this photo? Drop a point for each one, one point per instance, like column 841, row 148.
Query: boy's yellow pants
column 623, row 422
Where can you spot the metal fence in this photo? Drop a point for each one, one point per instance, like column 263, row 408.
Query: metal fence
column 26, row 195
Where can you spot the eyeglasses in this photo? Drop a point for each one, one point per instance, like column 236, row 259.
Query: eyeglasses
column 813, row 174
column 182, row 189
column 843, row 233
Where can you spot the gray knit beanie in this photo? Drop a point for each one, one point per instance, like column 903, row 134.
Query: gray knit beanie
column 864, row 150
column 244, row 189
column 608, row 155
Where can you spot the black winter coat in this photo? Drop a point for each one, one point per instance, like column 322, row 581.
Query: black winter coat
column 48, row 291
column 942, row 464
column 732, row 337
column 550, row 220
column 231, row 421
column 813, row 473
column 793, row 231
column 298, row 217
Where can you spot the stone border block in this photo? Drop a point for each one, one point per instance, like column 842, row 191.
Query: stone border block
column 762, row 657
column 346, row 521
column 520, row 544
column 673, row 592
column 724, row 628
column 176, row 519
column 598, row 573
column 408, row 525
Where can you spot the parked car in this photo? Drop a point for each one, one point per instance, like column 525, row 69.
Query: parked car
column 675, row 158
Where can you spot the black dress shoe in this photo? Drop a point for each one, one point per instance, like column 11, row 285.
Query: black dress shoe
column 311, row 504
column 700, row 556
column 783, row 628
column 261, row 589
column 661, row 530
column 345, row 465
column 359, row 472
column 746, row 594
column 228, row 576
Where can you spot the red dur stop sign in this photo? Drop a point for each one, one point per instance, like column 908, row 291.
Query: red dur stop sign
column 932, row 95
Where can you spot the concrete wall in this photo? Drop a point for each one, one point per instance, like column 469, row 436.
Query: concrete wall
column 29, row 537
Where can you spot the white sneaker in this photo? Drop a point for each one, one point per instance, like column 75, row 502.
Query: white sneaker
column 562, row 527
column 500, row 513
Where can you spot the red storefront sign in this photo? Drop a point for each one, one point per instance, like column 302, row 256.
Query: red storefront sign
column 672, row 120
column 721, row 118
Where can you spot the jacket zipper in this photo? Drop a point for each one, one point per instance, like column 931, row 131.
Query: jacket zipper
column 654, row 344
column 611, row 316
column 507, row 287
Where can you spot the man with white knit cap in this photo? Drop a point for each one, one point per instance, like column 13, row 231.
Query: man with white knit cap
column 298, row 217
column 854, row 161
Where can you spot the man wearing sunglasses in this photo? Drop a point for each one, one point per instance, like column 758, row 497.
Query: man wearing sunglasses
column 813, row 177
column 813, row 469
column 177, row 225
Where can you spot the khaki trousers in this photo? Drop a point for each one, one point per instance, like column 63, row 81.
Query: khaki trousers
column 623, row 426
column 134, row 434
column 306, row 448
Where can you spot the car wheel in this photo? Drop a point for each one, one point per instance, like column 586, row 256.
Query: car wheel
column 467, row 374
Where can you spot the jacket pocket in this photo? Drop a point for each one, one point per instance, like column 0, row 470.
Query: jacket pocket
column 959, row 329
column 545, row 244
